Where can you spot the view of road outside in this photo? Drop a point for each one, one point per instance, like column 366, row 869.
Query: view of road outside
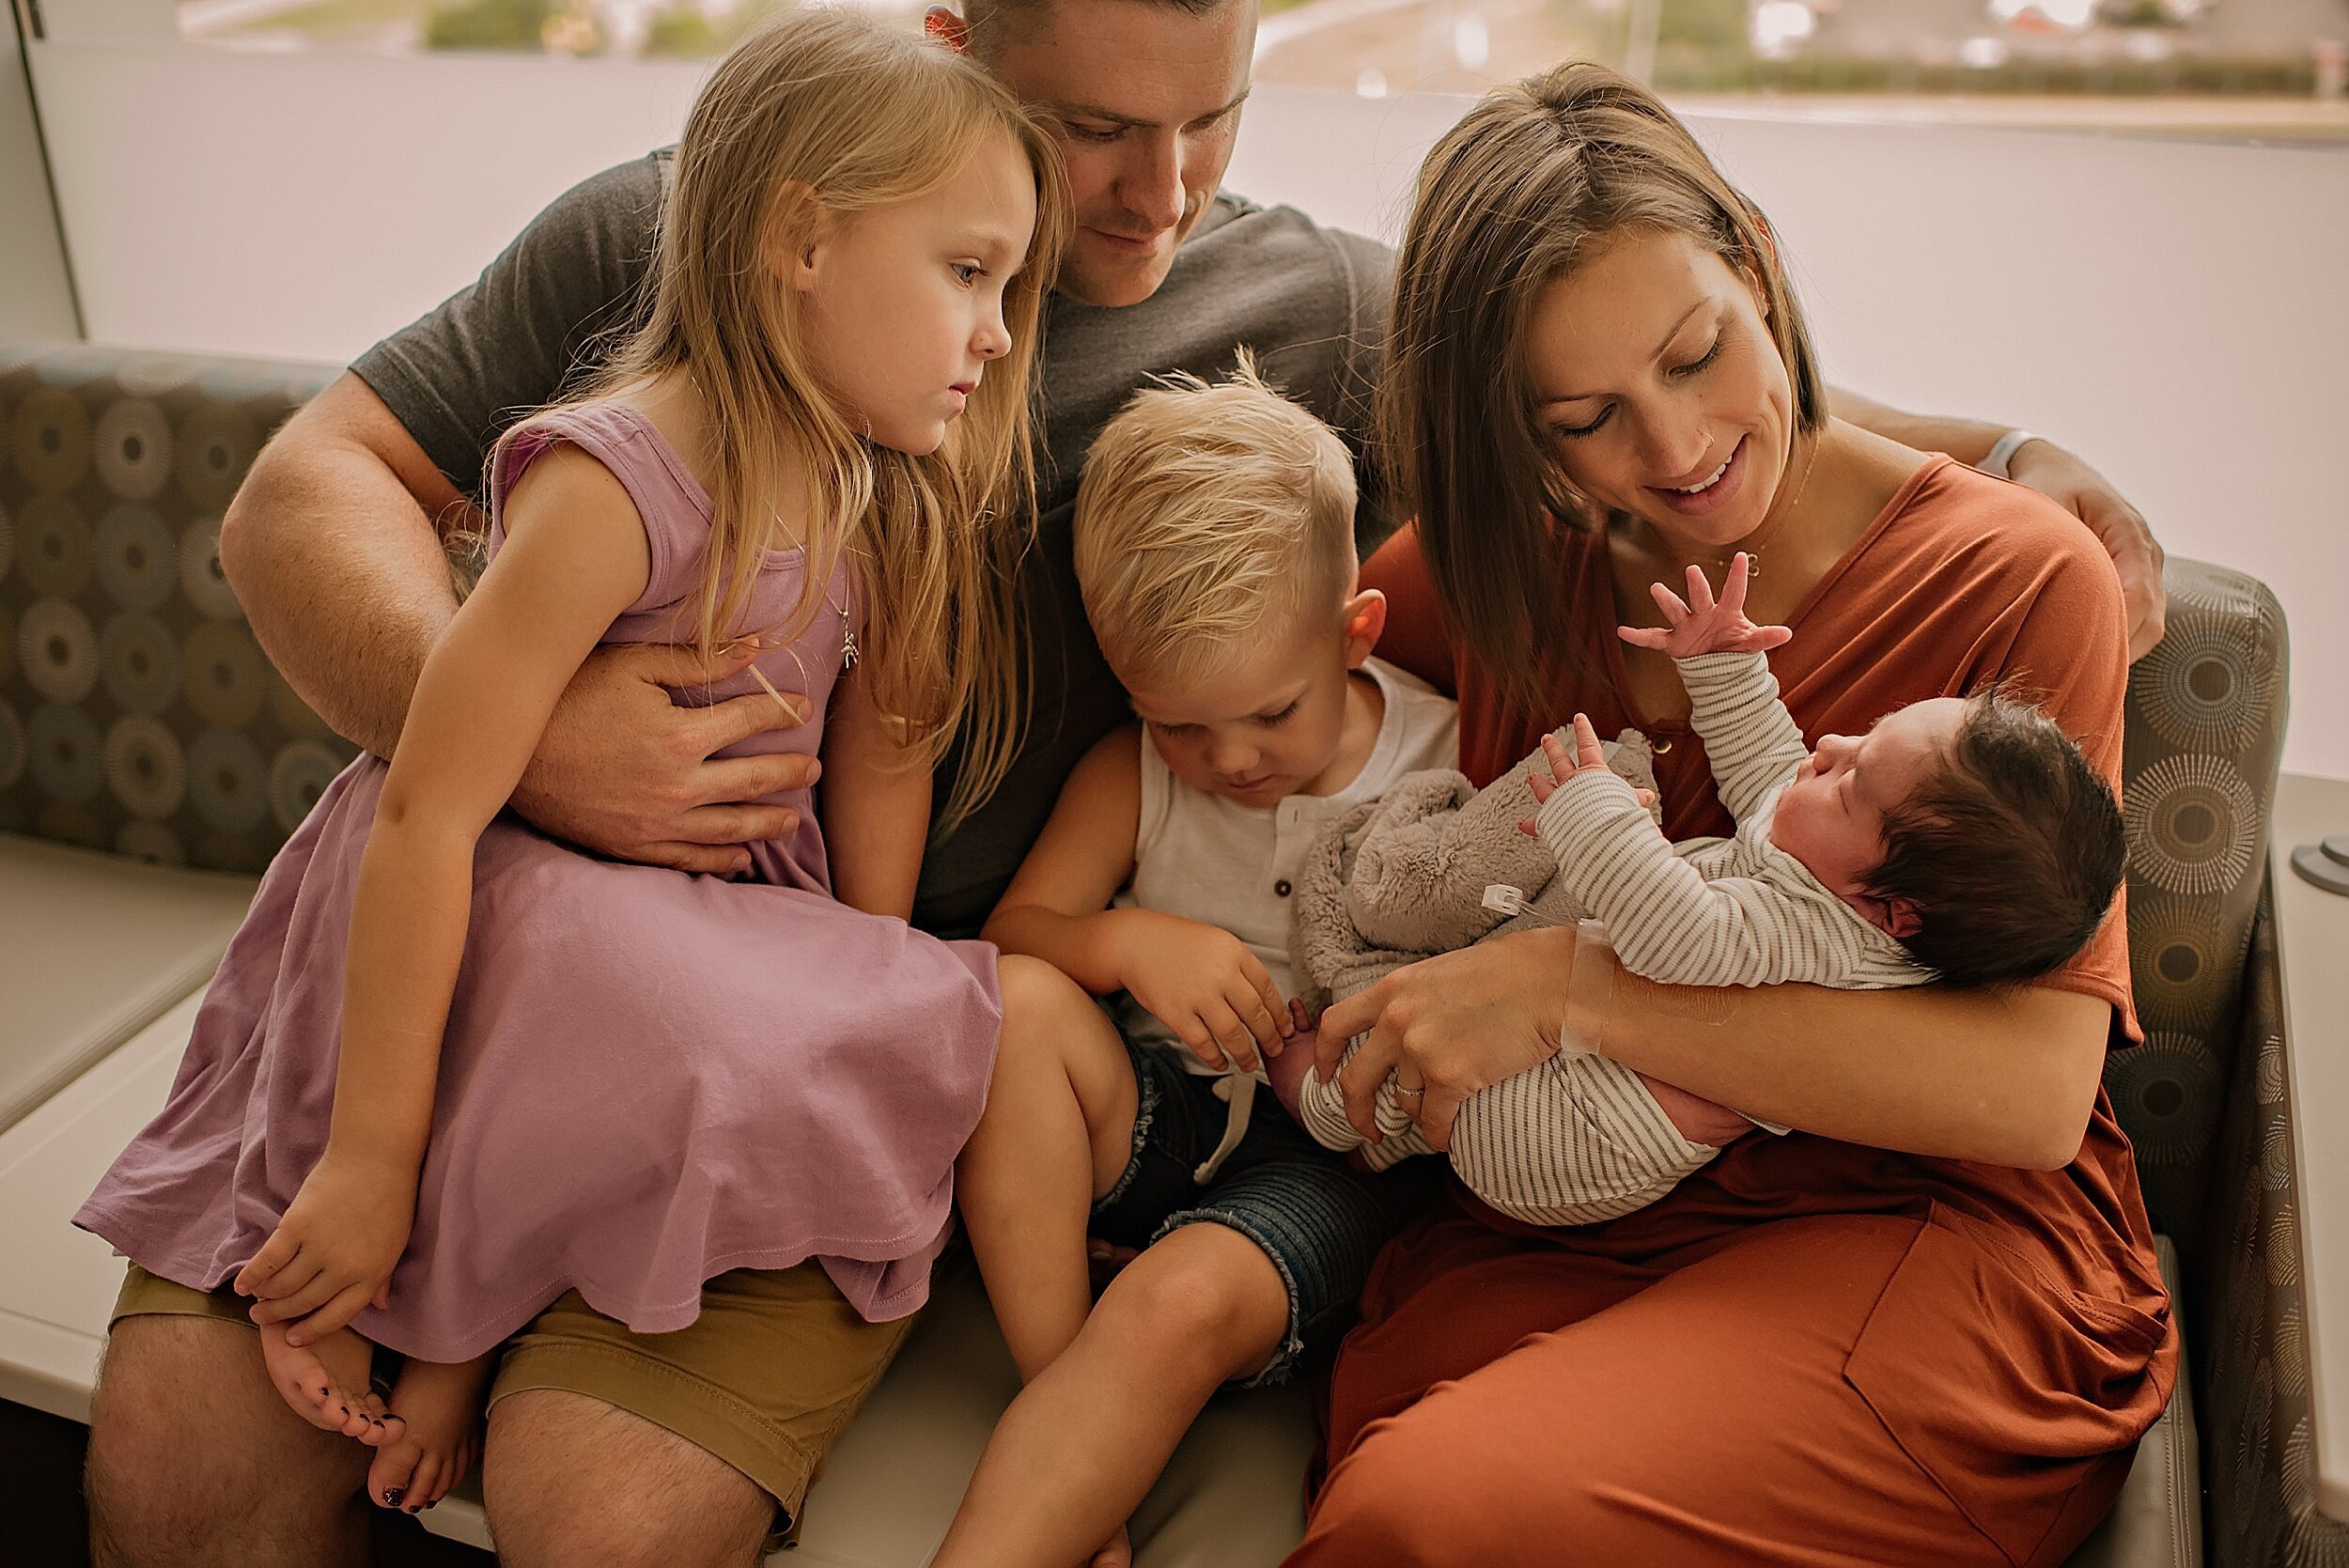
column 2266, row 69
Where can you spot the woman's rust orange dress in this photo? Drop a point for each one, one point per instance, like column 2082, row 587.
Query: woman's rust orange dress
column 1811, row 1352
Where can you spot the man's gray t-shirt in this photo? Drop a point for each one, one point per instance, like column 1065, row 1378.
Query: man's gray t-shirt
column 1311, row 302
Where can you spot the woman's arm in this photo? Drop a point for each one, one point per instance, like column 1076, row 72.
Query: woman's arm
column 575, row 557
column 876, row 804
column 2003, row 1078
column 2043, row 466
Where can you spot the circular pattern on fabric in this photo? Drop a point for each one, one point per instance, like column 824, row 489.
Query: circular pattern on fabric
column 227, row 781
column 138, row 559
column 297, row 779
column 2292, row 1352
column 144, row 766
column 2250, row 1454
column 13, row 746
column 152, row 375
column 150, row 842
column 51, row 441
column 2193, row 825
column 2269, row 1075
column 2276, row 1155
column 293, row 715
column 64, row 752
column 2163, row 1091
column 239, row 380
column 225, row 676
column 2207, row 688
column 201, row 577
column 2283, row 1248
column 75, row 365
column 58, row 650
column 139, row 662
column 2178, row 971
column 133, row 442
column 215, row 447
column 2317, row 1540
column 53, row 547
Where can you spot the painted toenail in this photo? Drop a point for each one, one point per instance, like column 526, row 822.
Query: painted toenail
column 391, row 1496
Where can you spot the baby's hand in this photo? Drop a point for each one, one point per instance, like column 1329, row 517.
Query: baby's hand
column 1587, row 754
column 333, row 1252
column 1702, row 625
column 1203, row 983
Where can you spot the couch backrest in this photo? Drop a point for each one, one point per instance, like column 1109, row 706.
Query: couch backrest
column 137, row 714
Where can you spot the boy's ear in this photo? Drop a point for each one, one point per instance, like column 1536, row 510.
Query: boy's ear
column 1365, row 619
column 947, row 28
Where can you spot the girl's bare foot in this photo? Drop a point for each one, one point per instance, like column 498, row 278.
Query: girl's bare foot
column 326, row 1383
column 439, row 1404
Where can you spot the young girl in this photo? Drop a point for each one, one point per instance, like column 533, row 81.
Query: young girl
column 450, row 1069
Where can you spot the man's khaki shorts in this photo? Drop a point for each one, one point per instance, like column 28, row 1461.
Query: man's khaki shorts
column 767, row 1378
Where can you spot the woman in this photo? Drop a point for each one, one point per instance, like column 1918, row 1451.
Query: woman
column 1926, row 1328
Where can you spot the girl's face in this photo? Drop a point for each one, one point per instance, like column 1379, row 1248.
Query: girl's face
column 905, row 303
column 1664, row 395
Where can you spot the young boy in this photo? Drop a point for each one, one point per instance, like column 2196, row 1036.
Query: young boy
column 1215, row 547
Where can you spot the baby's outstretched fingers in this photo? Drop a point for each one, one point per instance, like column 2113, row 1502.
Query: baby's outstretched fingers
column 1588, row 752
column 1699, row 590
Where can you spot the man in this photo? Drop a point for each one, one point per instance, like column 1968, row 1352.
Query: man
column 692, row 1448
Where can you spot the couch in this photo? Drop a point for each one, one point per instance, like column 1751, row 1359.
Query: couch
column 152, row 760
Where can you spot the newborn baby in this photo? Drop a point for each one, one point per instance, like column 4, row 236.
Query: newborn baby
column 1963, row 840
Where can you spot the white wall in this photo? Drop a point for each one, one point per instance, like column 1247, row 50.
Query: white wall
column 35, row 300
column 2177, row 311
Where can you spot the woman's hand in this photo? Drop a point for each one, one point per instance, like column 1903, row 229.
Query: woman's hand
column 333, row 1252
column 2136, row 555
column 1448, row 1026
column 1203, row 983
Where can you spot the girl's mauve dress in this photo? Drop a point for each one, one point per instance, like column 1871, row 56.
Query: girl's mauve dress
column 648, row 1077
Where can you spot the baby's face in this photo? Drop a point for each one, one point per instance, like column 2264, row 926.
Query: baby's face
column 1831, row 817
column 1267, row 727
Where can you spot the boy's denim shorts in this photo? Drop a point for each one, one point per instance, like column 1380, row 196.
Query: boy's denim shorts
column 1319, row 1221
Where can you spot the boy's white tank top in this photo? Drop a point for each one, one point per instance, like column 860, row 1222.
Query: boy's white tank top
column 1210, row 859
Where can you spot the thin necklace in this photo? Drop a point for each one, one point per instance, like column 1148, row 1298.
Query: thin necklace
column 1753, row 548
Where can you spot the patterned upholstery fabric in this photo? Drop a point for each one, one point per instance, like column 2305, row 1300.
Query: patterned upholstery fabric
column 2205, row 730
column 137, row 714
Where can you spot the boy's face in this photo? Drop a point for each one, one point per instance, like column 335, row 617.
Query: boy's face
column 1831, row 817
column 1270, row 724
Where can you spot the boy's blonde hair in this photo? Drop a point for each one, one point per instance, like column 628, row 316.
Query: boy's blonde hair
column 823, row 113
column 1208, row 516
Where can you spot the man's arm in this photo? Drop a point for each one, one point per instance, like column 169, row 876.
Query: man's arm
column 2053, row 473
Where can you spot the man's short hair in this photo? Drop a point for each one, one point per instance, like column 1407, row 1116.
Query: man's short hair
column 994, row 22
column 1209, row 516
column 2011, row 852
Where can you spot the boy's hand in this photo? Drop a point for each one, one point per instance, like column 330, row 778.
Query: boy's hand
column 1203, row 983
column 1702, row 625
column 333, row 1252
column 1587, row 754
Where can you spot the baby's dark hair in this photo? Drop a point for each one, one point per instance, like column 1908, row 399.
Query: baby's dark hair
column 2009, row 853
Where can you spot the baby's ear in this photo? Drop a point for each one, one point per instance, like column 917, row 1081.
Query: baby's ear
column 1896, row 917
column 1366, row 619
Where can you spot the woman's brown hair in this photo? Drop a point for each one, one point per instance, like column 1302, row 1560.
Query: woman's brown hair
column 1535, row 181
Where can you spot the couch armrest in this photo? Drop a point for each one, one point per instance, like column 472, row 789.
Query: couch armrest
column 2268, row 1503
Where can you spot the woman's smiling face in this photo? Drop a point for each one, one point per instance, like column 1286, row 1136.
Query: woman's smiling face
column 1655, row 375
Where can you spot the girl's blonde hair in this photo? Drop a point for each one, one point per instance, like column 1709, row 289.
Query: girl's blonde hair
column 1535, row 181
column 824, row 114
